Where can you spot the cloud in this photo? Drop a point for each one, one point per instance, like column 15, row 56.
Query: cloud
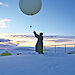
column 61, row 40
column 4, row 40
column 7, row 44
column 30, row 40
column 3, row 22
column 6, row 5
column 22, row 41
column 2, row 4
column 6, row 47
column 57, row 36
column 25, row 35
column 12, row 44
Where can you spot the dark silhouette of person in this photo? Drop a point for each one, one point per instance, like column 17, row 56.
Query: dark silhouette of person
column 39, row 44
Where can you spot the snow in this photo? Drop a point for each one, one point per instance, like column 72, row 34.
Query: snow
column 31, row 63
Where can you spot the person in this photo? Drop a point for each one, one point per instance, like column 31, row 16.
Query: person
column 39, row 44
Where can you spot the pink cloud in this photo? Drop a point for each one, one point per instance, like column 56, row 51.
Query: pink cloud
column 6, row 5
column 1, row 3
column 3, row 22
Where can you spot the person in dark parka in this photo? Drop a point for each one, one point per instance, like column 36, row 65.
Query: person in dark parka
column 39, row 44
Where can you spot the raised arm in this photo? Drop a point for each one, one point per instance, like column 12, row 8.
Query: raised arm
column 36, row 35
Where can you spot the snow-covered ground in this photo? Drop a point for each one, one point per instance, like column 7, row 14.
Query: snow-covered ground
column 31, row 63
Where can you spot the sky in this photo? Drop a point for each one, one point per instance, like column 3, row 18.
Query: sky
column 56, row 20
column 57, row 17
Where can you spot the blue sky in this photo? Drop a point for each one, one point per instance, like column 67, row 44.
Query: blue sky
column 57, row 17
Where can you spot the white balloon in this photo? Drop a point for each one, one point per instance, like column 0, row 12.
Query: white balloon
column 30, row 7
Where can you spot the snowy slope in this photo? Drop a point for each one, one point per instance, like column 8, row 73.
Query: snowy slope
column 34, row 64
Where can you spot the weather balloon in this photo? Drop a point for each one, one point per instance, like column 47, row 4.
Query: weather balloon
column 30, row 7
